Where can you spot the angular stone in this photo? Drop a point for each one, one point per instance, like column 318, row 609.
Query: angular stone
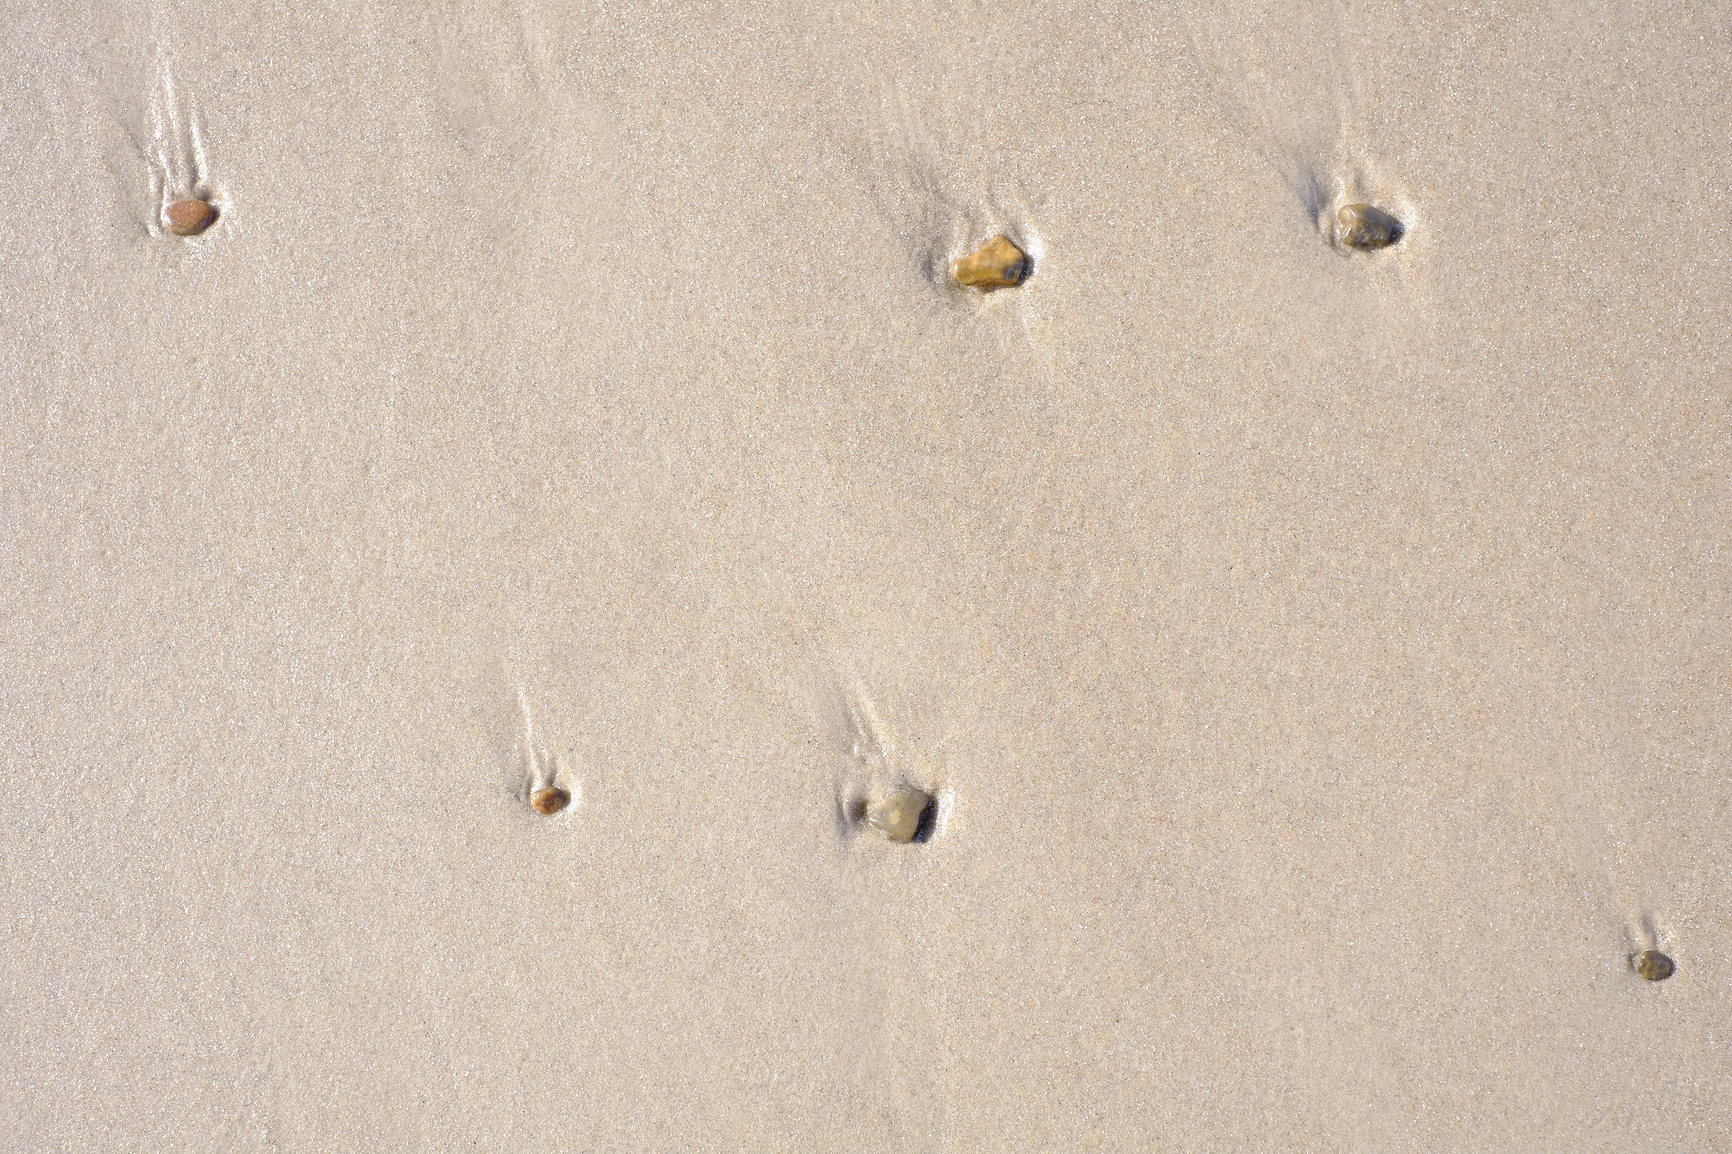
column 997, row 264
column 898, row 816
column 1365, row 226
column 189, row 217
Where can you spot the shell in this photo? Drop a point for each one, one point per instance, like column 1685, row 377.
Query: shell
column 189, row 217
column 898, row 816
column 549, row 799
column 996, row 264
column 1653, row 965
column 1365, row 226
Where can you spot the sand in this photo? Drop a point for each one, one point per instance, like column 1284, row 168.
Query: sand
column 1320, row 659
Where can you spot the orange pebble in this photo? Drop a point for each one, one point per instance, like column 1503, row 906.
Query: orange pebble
column 549, row 799
column 189, row 217
column 997, row 264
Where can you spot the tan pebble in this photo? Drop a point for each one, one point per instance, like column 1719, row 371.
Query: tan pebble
column 1653, row 965
column 1363, row 226
column 189, row 217
column 549, row 799
column 998, row 264
column 898, row 816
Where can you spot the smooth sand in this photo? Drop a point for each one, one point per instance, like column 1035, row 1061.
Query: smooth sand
column 1322, row 661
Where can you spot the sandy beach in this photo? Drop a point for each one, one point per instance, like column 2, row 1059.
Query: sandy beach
column 1318, row 659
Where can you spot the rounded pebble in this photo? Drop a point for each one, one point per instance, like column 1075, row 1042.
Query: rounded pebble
column 997, row 264
column 189, row 217
column 1653, row 965
column 898, row 816
column 1365, row 226
column 549, row 799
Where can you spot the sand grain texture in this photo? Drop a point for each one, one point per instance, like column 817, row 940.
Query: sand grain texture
column 1321, row 663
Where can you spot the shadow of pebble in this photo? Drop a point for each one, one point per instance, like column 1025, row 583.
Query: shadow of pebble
column 927, row 828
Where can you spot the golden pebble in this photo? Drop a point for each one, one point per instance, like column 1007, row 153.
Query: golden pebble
column 998, row 264
column 1653, row 965
column 190, row 217
column 898, row 816
column 1365, row 227
column 549, row 799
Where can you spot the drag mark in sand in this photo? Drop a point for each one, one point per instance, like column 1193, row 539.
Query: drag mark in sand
column 871, row 792
column 548, row 782
column 1647, row 960
column 1308, row 119
column 188, row 202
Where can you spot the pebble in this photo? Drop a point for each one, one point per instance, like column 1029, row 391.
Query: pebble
column 997, row 264
column 190, row 217
column 1653, row 965
column 549, row 799
column 1364, row 226
column 898, row 816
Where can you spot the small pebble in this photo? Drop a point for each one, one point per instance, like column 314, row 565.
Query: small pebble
column 1653, row 965
column 898, row 816
column 549, row 799
column 190, row 217
column 998, row 264
column 1363, row 226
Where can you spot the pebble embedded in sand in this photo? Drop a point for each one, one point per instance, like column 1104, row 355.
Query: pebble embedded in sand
column 1653, row 965
column 898, row 816
column 997, row 264
column 549, row 799
column 1365, row 226
column 189, row 217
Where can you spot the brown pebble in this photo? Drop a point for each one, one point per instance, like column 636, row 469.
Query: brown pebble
column 1364, row 226
column 549, row 799
column 898, row 816
column 997, row 264
column 189, row 217
column 1653, row 965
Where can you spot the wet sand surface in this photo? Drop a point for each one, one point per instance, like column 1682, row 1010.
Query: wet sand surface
column 1318, row 658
